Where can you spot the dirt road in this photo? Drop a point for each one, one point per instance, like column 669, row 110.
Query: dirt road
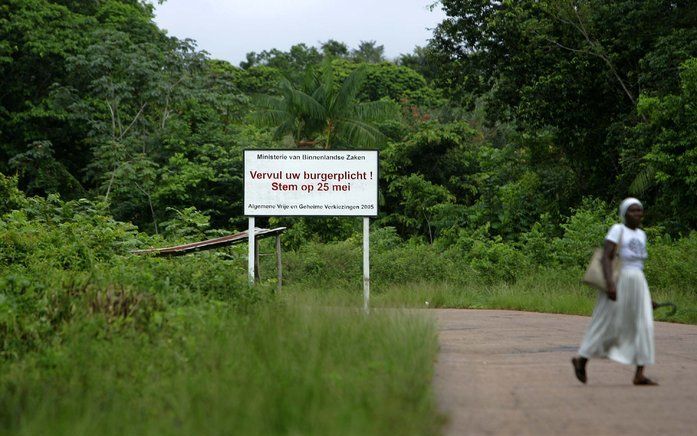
column 509, row 373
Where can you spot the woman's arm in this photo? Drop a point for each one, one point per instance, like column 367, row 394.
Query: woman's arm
column 608, row 256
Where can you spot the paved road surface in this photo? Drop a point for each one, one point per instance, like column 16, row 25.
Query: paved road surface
column 509, row 373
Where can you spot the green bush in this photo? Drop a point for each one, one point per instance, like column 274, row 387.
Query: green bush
column 181, row 279
column 461, row 256
column 497, row 261
column 66, row 235
column 670, row 264
column 10, row 197
column 392, row 261
column 536, row 245
column 67, row 264
column 489, row 256
column 338, row 263
column 413, row 263
column 583, row 232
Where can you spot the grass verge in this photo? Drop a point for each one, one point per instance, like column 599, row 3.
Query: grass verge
column 279, row 369
column 550, row 291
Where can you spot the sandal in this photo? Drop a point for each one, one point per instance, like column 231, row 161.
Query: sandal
column 645, row 381
column 579, row 369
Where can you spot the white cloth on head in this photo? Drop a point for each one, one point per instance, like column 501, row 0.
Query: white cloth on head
column 626, row 204
column 622, row 330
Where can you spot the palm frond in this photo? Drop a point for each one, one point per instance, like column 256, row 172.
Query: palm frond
column 287, row 127
column 349, row 90
column 643, row 181
column 327, row 78
column 321, row 109
column 324, row 85
column 291, row 106
column 307, row 105
column 359, row 133
column 326, row 91
column 266, row 117
column 268, row 102
column 311, row 81
column 375, row 110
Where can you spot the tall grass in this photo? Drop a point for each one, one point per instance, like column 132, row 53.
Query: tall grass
column 279, row 369
column 406, row 276
column 96, row 341
column 546, row 291
column 464, row 267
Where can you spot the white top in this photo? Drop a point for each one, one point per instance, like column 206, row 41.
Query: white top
column 633, row 249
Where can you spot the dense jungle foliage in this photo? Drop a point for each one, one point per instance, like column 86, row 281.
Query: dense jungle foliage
column 512, row 115
column 505, row 143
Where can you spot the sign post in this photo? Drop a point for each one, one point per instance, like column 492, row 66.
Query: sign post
column 366, row 263
column 312, row 183
column 252, row 251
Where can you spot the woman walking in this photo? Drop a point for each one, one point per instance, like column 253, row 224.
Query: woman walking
column 621, row 327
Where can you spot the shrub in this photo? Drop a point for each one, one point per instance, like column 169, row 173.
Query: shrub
column 489, row 256
column 64, row 265
column 670, row 264
column 536, row 245
column 583, row 231
column 413, row 263
column 322, row 263
column 10, row 197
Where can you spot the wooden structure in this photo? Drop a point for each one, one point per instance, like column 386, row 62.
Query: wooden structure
column 224, row 241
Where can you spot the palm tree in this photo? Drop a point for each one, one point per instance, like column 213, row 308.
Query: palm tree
column 320, row 113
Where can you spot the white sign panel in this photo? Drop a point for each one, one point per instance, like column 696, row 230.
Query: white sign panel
column 311, row 182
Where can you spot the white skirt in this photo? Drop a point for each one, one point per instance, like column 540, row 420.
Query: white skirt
column 622, row 330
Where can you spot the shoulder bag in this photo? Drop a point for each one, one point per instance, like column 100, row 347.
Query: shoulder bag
column 594, row 273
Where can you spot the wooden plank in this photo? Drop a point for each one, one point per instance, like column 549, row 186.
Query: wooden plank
column 210, row 244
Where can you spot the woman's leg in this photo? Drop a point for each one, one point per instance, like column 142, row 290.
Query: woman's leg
column 579, row 364
column 641, row 379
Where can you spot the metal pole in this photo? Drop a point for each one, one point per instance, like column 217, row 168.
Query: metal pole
column 366, row 263
column 252, row 246
column 257, row 270
column 279, row 264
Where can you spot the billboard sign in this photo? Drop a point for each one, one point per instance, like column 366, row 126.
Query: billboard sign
column 311, row 183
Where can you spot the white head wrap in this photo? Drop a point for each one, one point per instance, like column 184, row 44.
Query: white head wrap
column 625, row 205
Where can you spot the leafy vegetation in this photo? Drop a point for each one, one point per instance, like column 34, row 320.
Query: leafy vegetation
column 324, row 114
column 540, row 273
column 548, row 103
column 505, row 144
column 576, row 78
column 92, row 336
column 277, row 370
